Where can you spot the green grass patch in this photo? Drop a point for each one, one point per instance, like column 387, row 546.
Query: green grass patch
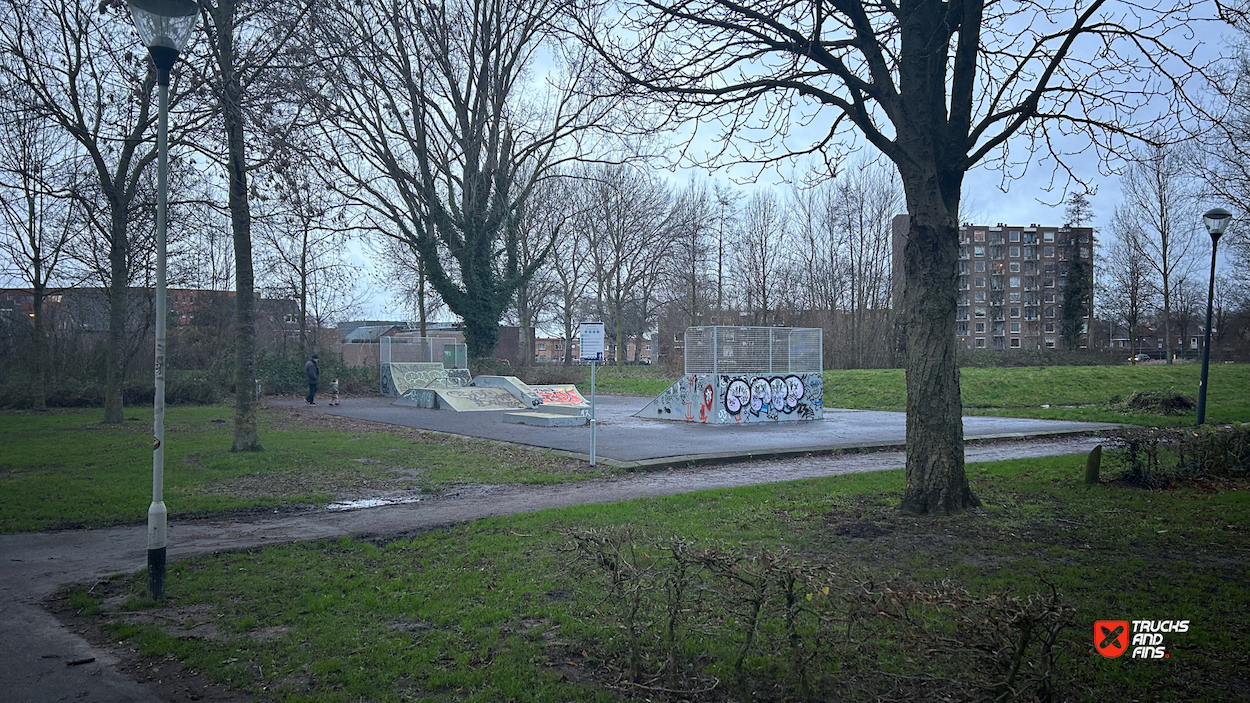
column 495, row 610
column 1087, row 393
column 1090, row 393
column 69, row 470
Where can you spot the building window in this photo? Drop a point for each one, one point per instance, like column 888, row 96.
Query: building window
column 1015, row 235
column 1050, row 342
column 980, row 342
column 978, row 251
column 980, row 282
column 963, row 252
column 979, row 312
column 1015, row 312
column 1048, row 252
column 1014, row 267
column 979, row 266
column 1048, row 236
column 1015, row 328
column 542, row 347
column 963, row 283
column 1050, row 327
column 1014, row 296
column 980, row 328
column 1050, row 312
column 1015, row 252
column 1014, row 282
column 979, row 296
column 1048, row 282
column 1015, row 342
column 1193, row 342
column 963, row 267
column 979, row 235
column 1084, row 252
column 1049, row 297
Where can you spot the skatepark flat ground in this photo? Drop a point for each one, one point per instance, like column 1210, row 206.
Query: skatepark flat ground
column 633, row 442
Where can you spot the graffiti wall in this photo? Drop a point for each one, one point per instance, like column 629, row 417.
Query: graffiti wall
column 399, row 378
column 560, row 395
column 738, row 398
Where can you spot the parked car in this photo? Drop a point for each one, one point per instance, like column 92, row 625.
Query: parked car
column 1139, row 357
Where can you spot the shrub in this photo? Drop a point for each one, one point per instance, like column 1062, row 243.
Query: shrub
column 775, row 626
column 1154, row 458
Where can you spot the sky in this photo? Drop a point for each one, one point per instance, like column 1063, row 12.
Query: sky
column 1034, row 196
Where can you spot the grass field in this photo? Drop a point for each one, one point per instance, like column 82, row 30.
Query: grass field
column 1071, row 392
column 69, row 470
column 495, row 611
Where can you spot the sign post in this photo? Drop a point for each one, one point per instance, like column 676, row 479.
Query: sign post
column 590, row 344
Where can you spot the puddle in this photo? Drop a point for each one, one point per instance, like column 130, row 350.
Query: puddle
column 339, row 506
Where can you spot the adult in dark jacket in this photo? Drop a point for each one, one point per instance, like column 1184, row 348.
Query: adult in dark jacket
column 313, row 372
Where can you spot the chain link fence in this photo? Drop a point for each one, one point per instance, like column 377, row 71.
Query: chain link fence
column 753, row 350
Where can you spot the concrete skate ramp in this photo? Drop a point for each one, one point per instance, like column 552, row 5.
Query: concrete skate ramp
column 399, row 378
column 562, row 395
column 518, row 388
column 474, row 399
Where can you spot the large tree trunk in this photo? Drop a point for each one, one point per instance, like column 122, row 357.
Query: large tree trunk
column 936, row 482
column 40, row 348
column 246, row 436
column 114, row 350
column 481, row 334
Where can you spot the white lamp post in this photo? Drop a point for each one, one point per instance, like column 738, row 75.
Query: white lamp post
column 1216, row 221
column 165, row 27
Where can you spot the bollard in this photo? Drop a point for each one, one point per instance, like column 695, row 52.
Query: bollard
column 1093, row 463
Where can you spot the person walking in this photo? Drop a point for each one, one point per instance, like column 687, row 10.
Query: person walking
column 313, row 372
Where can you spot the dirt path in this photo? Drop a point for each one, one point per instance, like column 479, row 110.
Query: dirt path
column 36, row 648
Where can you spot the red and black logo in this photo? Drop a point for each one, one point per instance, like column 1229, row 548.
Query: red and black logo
column 1111, row 637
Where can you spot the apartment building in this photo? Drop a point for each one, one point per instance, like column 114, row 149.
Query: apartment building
column 1011, row 282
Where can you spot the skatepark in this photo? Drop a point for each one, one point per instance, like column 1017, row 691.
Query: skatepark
column 630, row 442
column 745, row 393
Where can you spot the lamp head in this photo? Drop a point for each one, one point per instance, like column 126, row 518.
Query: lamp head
column 164, row 23
column 1217, row 220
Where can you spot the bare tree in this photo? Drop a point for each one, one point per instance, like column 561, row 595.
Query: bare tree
column 255, row 61
column 82, row 72
column 762, row 251
column 445, row 135
column 540, row 220
column 937, row 87
column 1127, row 293
column 302, row 249
column 39, row 219
column 626, row 216
column 1161, row 207
column 571, row 263
column 687, row 267
column 866, row 197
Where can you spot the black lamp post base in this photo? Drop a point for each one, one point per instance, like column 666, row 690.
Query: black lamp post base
column 156, row 574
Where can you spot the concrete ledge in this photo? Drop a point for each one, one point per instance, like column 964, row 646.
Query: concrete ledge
column 545, row 419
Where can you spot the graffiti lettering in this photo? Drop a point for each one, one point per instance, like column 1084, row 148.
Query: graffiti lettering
column 737, row 395
column 562, row 396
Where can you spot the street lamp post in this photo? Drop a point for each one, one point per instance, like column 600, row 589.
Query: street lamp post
column 165, row 28
column 1216, row 221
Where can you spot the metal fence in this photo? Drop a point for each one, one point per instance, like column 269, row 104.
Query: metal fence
column 753, row 350
column 400, row 350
